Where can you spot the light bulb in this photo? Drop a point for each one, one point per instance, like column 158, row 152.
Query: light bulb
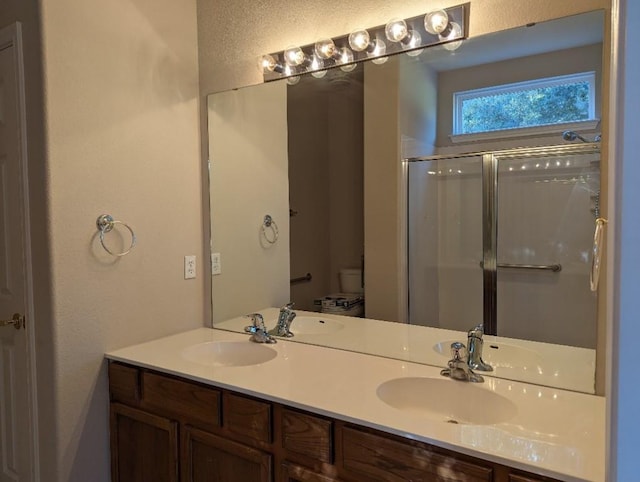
column 289, row 72
column 346, row 56
column 436, row 22
column 325, row 48
column 267, row 63
column 294, row 56
column 456, row 31
column 316, row 65
column 359, row 40
column 396, row 30
column 413, row 40
column 379, row 50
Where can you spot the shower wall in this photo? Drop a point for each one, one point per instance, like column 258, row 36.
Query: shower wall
column 545, row 217
column 445, row 243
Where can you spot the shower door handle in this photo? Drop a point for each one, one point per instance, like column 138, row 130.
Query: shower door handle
column 556, row 268
column 596, row 254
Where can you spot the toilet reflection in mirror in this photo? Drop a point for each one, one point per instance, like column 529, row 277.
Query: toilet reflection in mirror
column 367, row 165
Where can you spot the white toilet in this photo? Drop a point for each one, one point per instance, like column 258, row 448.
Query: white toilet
column 350, row 301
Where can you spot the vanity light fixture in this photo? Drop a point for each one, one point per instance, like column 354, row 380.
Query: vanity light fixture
column 294, row 56
column 436, row 22
column 317, row 67
column 268, row 63
column 410, row 35
column 326, row 49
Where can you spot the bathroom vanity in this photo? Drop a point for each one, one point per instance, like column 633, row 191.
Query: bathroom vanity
column 210, row 405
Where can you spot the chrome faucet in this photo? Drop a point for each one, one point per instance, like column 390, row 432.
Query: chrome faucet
column 285, row 318
column 257, row 329
column 459, row 365
column 475, row 344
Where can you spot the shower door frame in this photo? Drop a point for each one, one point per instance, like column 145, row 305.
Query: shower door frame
column 490, row 164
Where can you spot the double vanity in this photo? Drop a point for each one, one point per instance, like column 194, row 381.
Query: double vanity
column 212, row 405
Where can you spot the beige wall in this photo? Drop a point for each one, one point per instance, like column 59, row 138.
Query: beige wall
column 382, row 199
column 249, row 179
column 121, row 88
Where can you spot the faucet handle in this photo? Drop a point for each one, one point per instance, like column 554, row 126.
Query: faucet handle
column 459, row 352
column 257, row 323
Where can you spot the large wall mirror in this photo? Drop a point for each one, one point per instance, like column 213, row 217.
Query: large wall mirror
column 395, row 190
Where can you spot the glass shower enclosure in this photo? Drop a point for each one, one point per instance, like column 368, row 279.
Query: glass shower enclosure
column 504, row 238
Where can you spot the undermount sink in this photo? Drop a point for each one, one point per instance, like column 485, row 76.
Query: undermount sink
column 315, row 325
column 501, row 355
column 229, row 353
column 447, row 400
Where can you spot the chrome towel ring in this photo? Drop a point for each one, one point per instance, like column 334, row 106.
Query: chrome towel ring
column 105, row 224
column 269, row 229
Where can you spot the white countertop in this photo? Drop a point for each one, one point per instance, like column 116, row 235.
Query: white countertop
column 554, row 432
column 551, row 365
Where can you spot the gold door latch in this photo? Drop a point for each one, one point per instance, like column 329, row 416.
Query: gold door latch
column 17, row 321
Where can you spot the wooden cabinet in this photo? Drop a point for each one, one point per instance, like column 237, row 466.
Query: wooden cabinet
column 295, row 473
column 211, row 458
column 307, row 435
column 165, row 428
column 143, row 446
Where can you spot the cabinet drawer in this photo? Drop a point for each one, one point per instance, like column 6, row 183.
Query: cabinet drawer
column 247, row 417
column 124, row 383
column 529, row 478
column 307, row 435
column 186, row 401
column 380, row 458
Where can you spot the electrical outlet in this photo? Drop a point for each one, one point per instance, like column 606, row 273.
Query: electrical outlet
column 189, row 267
column 216, row 267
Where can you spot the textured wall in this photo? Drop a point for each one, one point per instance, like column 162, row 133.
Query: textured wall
column 122, row 137
column 232, row 35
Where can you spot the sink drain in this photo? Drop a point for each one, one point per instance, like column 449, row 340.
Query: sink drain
column 452, row 421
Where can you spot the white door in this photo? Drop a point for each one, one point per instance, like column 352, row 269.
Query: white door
column 15, row 424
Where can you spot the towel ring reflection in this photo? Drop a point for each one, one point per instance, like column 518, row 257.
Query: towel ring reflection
column 269, row 227
column 105, row 224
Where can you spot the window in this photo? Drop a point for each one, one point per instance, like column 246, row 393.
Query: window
column 542, row 102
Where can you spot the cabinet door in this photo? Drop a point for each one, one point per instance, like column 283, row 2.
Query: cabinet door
column 210, row 458
column 144, row 447
column 295, row 473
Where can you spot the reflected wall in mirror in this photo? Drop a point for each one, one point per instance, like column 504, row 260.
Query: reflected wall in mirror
column 323, row 157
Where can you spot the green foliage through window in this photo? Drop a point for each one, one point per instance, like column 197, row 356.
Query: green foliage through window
column 528, row 105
